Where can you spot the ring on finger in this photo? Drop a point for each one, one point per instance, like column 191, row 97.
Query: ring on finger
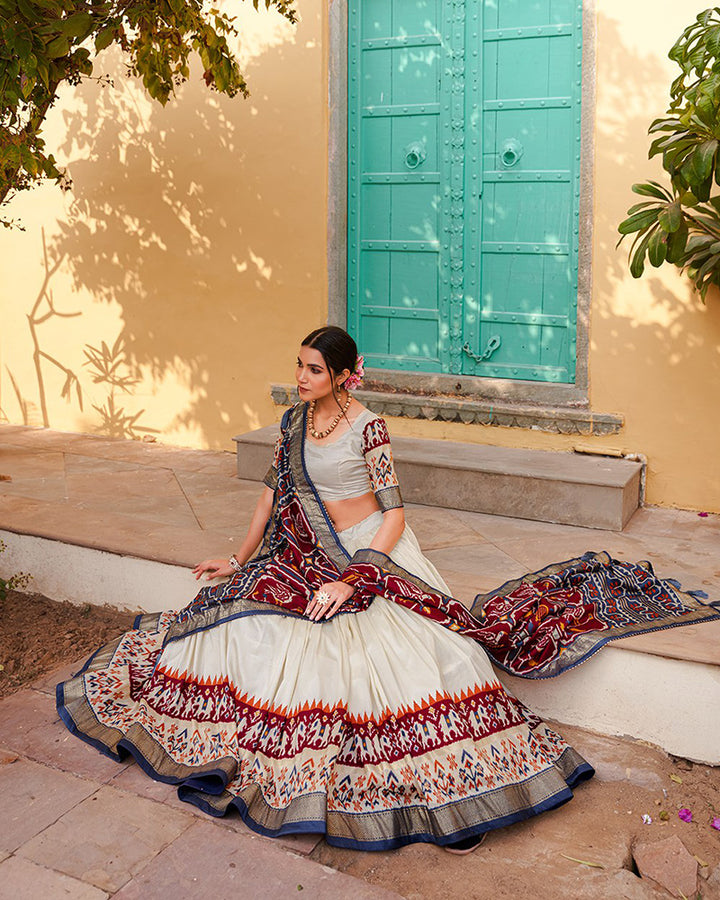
column 322, row 598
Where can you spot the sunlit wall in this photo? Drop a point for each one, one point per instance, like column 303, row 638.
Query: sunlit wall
column 160, row 296
column 167, row 291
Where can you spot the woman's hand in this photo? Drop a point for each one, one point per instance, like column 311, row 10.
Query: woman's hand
column 328, row 599
column 213, row 568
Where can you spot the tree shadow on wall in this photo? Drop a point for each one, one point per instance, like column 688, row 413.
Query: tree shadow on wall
column 164, row 223
column 672, row 339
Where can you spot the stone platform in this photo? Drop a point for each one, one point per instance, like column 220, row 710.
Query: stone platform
column 109, row 521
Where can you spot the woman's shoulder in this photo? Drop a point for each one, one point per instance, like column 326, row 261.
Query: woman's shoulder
column 363, row 416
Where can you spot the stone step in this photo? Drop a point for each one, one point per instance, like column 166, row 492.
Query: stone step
column 546, row 486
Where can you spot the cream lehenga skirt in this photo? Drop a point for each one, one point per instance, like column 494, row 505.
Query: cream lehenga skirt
column 376, row 728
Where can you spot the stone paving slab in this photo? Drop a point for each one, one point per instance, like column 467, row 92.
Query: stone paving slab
column 29, row 724
column 153, row 454
column 437, row 528
column 108, row 838
column 46, row 684
column 115, row 533
column 482, row 557
column 35, row 796
column 22, row 879
column 135, row 781
column 206, row 863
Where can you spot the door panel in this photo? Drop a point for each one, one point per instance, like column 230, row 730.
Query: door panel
column 395, row 207
column 463, row 194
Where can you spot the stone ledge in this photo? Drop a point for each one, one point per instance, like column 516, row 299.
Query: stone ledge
column 544, row 485
column 553, row 419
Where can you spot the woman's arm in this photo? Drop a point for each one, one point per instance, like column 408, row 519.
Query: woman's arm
column 389, row 533
column 220, row 568
column 256, row 529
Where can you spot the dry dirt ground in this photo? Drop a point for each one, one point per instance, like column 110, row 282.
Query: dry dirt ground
column 544, row 858
column 38, row 635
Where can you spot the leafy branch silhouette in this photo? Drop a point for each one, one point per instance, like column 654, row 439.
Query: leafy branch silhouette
column 35, row 319
column 109, row 366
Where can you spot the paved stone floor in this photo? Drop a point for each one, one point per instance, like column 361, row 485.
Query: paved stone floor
column 75, row 824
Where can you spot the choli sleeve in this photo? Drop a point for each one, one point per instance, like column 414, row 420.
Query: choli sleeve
column 379, row 460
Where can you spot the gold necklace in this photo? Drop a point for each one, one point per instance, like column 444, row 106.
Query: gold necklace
column 319, row 435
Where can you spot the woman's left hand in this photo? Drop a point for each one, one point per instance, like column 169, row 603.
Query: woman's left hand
column 328, row 599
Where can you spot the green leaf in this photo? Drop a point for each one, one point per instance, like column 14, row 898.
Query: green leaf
column 42, row 70
column 104, row 38
column 704, row 17
column 639, row 220
column 697, row 59
column 701, row 161
column 27, row 11
column 59, row 46
column 664, row 125
column 702, row 190
column 651, row 189
column 27, row 86
column 637, row 263
column 657, row 248
column 712, row 40
column 78, row 25
column 706, row 111
column 670, row 218
column 676, row 243
column 636, row 207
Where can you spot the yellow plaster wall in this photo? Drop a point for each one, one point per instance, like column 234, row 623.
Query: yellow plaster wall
column 196, row 234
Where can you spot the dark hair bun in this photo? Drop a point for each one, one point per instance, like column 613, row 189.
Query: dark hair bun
column 335, row 345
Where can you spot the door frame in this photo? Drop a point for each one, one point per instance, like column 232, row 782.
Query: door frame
column 466, row 385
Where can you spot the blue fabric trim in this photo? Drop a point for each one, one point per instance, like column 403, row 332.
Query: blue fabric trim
column 581, row 773
column 273, row 611
column 69, row 723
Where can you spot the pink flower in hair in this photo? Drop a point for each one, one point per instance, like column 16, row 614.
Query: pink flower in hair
column 355, row 379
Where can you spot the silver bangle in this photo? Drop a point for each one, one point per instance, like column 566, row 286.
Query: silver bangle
column 234, row 564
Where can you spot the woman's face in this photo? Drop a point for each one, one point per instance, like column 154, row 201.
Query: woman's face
column 312, row 375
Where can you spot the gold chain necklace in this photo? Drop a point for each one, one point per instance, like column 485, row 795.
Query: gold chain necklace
column 319, row 435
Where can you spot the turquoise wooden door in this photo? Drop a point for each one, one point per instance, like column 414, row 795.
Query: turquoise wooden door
column 463, row 185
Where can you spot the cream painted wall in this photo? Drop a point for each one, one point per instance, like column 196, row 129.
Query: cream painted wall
column 194, row 233
column 197, row 235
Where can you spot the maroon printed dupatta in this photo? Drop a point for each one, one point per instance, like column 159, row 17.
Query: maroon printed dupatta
column 537, row 626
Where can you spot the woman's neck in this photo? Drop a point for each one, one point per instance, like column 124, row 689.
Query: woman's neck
column 328, row 407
